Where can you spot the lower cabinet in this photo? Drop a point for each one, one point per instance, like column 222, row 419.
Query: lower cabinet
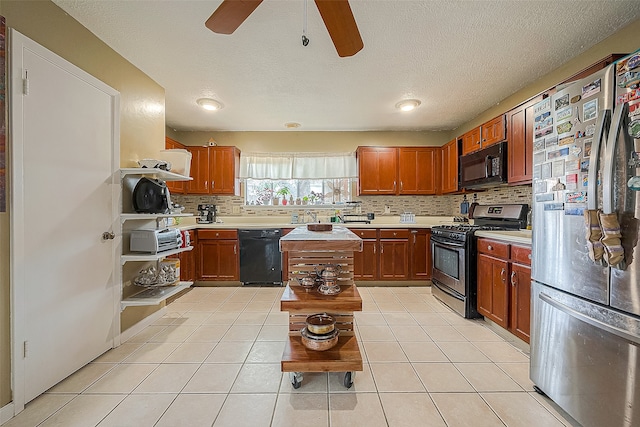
column 285, row 258
column 393, row 254
column 504, row 285
column 217, row 255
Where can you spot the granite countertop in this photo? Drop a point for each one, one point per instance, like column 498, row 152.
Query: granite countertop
column 511, row 236
column 260, row 222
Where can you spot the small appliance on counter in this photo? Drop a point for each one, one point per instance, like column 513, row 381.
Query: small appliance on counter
column 154, row 241
column 151, row 196
column 206, row 214
column 362, row 218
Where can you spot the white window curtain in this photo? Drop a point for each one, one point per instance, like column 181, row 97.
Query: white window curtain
column 298, row 165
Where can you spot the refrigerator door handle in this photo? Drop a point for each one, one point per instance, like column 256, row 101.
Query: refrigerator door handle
column 609, row 158
column 590, row 320
column 601, row 127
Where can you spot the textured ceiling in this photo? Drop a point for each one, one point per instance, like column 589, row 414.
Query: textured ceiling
column 458, row 57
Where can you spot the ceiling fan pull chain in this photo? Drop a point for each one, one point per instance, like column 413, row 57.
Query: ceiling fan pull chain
column 305, row 40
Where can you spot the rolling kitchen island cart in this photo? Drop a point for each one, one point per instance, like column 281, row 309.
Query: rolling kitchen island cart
column 308, row 252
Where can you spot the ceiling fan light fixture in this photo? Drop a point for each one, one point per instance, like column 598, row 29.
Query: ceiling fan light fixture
column 209, row 104
column 292, row 125
column 408, row 104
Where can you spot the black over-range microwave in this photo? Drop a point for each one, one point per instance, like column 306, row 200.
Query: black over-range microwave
column 485, row 168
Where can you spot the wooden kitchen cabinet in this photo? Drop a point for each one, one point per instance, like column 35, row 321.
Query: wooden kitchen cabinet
column 493, row 131
column 418, row 170
column 224, row 169
column 471, row 141
column 504, row 285
column 520, row 142
column 175, row 187
column 199, row 171
column 285, row 257
column 394, row 254
column 377, row 170
column 365, row 263
column 188, row 261
column 449, row 167
column 489, row 133
column 217, row 255
column 420, row 254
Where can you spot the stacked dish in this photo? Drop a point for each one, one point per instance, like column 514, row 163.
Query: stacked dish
column 320, row 332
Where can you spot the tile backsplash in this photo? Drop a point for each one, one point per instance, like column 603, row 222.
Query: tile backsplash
column 447, row 205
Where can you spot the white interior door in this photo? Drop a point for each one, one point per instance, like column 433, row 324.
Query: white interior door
column 65, row 137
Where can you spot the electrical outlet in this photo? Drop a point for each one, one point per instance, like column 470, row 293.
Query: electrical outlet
column 387, row 209
column 235, row 210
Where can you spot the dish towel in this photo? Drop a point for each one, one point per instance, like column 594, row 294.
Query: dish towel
column 613, row 250
column 594, row 234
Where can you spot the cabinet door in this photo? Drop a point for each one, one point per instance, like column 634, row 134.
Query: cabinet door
column 175, row 187
column 520, row 280
column 471, row 141
column 420, row 254
column 493, row 131
column 520, row 141
column 365, row 263
column 218, row 260
column 377, row 170
column 449, row 174
column 199, row 170
column 224, row 164
column 188, row 261
column 417, row 170
column 394, row 259
column 493, row 292
column 285, row 258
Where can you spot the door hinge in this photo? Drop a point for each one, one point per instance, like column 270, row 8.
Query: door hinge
column 25, row 83
column 25, row 349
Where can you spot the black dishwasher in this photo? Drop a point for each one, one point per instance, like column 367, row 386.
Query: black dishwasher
column 260, row 257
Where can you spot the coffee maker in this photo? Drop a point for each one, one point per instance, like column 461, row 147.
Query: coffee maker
column 206, row 214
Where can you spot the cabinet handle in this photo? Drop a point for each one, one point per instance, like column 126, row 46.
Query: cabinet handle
column 490, row 247
column 381, row 248
column 502, row 274
column 394, row 186
column 374, row 249
column 529, row 256
column 235, row 249
column 401, row 185
column 414, row 239
column 514, row 282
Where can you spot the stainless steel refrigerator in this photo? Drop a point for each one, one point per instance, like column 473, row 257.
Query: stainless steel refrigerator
column 585, row 297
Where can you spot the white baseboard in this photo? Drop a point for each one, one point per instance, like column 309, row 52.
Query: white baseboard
column 138, row 327
column 6, row 413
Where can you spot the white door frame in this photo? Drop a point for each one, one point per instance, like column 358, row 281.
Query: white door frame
column 18, row 42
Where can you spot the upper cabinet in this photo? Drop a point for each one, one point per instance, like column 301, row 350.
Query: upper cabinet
column 417, row 170
column 489, row 133
column 397, row 170
column 449, row 167
column 377, row 170
column 215, row 170
column 520, row 142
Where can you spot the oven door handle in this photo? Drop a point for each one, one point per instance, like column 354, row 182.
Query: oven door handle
column 449, row 243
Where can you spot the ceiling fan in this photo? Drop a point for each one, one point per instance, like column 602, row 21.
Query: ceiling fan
column 336, row 14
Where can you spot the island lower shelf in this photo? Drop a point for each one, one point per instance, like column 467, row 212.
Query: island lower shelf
column 343, row 357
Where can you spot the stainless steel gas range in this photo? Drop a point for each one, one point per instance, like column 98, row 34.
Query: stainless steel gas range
column 454, row 254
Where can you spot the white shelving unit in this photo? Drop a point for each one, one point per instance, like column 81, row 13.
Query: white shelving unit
column 131, row 220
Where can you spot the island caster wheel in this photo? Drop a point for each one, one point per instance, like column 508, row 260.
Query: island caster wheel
column 296, row 379
column 348, row 379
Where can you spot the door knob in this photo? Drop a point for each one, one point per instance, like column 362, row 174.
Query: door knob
column 108, row 235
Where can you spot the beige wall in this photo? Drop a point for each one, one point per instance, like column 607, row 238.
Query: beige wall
column 310, row 141
column 142, row 118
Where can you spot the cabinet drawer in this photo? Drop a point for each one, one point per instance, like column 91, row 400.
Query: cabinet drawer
column 521, row 254
column 493, row 248
column 394, row 234
column 364, row 233
column 217, row 234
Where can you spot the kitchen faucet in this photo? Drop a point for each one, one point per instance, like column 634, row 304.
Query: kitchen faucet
column 313, row 216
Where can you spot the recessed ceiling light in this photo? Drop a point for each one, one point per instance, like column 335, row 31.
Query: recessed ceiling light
column 209, row 104
column 408, row 104
column 292, row 125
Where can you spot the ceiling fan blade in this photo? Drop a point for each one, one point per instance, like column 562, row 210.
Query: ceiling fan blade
column 230, row 14
column 341, row 25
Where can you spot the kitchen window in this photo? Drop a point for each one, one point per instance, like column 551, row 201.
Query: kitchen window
column 297, row 178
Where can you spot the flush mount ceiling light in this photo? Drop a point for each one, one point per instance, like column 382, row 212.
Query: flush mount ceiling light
column 292, row 125
column 408, row 104
column 209, row 104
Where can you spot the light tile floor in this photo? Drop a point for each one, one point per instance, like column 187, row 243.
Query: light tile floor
column 214, row 360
